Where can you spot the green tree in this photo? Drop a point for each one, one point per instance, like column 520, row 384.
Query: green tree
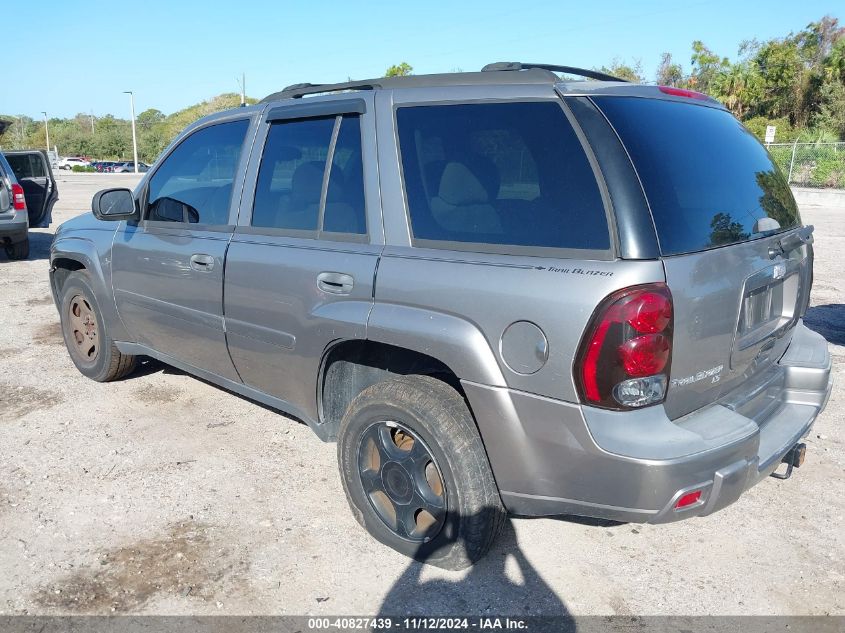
column 400, row 70
column 149, row 118
column 706, row 67
column 629, row 72
column 669, row 73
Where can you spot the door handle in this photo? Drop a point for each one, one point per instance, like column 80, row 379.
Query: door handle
column 335, row 283
column 202, row 263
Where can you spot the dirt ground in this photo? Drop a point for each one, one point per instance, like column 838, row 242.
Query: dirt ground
column 164, row 494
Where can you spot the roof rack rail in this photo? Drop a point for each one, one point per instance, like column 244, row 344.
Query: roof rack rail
column 569, row 70
column 297, row 91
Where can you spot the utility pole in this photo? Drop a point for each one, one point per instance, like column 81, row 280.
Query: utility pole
column 242, row 84
column 134, row 138
column 20, row 132
column 92, row 121
column 46, row 131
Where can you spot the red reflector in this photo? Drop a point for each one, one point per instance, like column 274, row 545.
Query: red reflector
column 680, row 92
column 18, row 199
column 644, row 355
column 688, row 499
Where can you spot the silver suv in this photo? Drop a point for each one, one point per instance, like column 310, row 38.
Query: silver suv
column 498, row 291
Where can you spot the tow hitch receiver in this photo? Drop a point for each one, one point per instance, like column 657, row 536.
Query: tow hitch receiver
column 794, row 458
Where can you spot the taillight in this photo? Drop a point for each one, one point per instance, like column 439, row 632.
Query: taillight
column 681, row 92
column 18, row 199
column 624, row 358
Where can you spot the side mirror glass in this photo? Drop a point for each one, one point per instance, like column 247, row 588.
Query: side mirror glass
column 766, row 224
column 173, row 210
column 114, row 204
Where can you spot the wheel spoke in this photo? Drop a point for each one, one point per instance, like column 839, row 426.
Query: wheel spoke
column 371, row 481
column 386, row 444
column 406, row 520
column 418, row 456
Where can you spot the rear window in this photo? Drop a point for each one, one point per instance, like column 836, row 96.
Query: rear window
column 26, row 165
column 506, row 174
column 708, row 180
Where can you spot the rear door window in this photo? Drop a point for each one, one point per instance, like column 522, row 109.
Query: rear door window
column 708, row 180
column 290, row 195
column 26, row 166
column 513, row 175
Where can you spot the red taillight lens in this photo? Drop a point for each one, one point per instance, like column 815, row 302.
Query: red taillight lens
column 624, row 358
column 680, row 92
column 650, row 313
column 18, row 199
column 644, row 355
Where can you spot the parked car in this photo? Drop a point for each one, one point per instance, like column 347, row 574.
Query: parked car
column 498, row 291
column 129, row 167
column 103, row 166
column 69, row 162
column 28, row 192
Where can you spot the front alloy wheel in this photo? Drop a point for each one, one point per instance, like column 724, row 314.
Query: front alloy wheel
column 83, row 329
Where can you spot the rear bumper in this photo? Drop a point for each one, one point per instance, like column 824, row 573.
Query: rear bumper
column 14, row 225
column 552, row 458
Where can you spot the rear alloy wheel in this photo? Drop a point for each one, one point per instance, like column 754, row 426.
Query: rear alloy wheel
column 86, row 337
column 402, row 481
column 416, row 474
column 18, row 250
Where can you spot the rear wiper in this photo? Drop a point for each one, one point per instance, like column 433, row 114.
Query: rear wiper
column 792, row 241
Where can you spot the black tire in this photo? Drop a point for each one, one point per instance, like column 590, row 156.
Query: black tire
column 18, row 250
column 95, row 356
column 435, row 413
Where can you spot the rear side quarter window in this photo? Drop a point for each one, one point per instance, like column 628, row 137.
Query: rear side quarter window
column 512, row 176
column 708, row 180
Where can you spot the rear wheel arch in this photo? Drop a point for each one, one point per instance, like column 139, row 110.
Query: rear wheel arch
column 349, row 367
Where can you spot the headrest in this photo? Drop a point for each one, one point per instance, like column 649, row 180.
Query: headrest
column 307, row 181
column 459, row 186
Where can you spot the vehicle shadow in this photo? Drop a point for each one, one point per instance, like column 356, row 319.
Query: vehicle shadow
column 503, row 583
column 39, row 246
column 828, row 320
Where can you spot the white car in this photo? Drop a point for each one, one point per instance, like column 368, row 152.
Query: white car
column 69, row 161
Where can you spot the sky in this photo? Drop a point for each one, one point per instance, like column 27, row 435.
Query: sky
column 82, row 55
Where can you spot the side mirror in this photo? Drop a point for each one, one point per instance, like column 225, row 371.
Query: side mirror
column 114, row 204
column 766, row 224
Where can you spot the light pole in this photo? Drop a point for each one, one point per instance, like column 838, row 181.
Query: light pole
column 134, row 138
column 46, row 131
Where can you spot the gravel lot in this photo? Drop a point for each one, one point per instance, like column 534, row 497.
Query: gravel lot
column 164, row 494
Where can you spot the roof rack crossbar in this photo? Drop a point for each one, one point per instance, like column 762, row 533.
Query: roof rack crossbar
column 569, row 70
column 296, row 91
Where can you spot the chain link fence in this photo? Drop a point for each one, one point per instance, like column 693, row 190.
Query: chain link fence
column 811, row 164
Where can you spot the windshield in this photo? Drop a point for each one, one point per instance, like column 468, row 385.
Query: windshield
column 708, row 180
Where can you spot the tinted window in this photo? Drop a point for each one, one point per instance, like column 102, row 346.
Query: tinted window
column 345, row 196
column 194, row 183
column 707, row 179
column 289, row 190
column 26, row 166
column 507, row 173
